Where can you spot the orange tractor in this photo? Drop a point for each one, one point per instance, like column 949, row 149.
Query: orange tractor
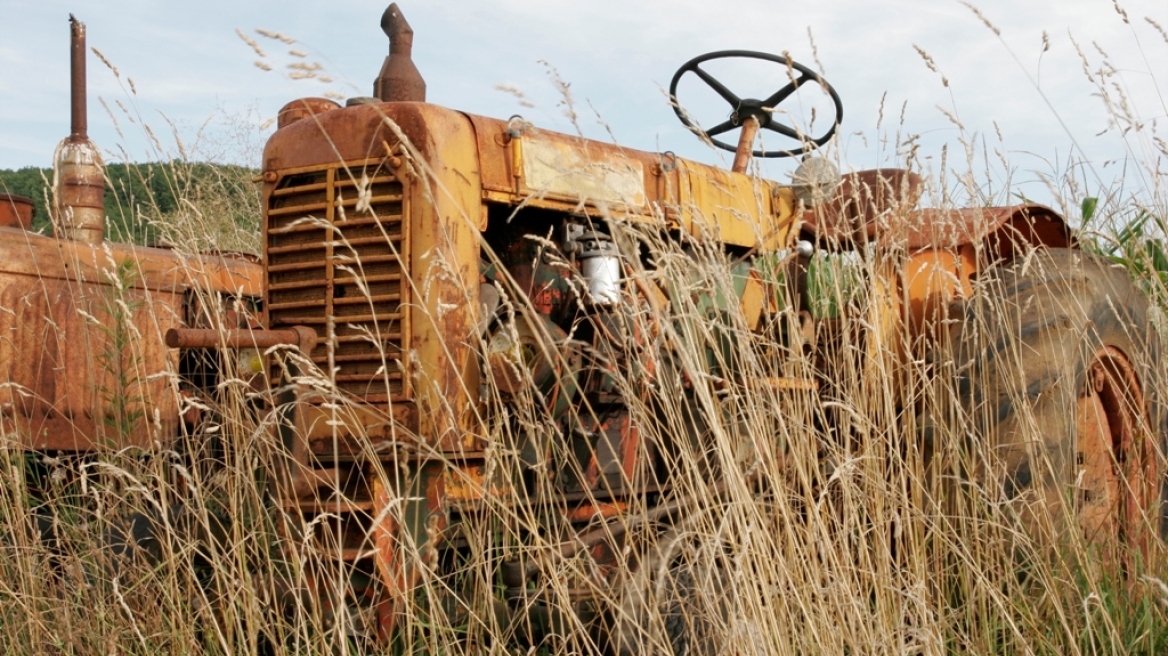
column 444, row 273
column 453, row 306
column 84, row 361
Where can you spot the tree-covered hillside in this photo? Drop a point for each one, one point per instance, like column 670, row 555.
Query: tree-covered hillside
column 155, row 202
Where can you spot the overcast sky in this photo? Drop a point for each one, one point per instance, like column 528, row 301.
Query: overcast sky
column 188, row 64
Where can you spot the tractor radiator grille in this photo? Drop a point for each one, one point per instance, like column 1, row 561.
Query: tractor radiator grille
column 335, row 246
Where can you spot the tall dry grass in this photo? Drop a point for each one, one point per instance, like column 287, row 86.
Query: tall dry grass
column 869, row 516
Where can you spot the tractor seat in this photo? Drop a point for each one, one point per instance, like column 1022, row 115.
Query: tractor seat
column 864, row 200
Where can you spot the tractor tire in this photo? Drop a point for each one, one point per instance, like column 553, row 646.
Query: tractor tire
column 677, row 601
column 1061, row 379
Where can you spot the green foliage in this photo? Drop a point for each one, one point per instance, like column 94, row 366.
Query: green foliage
column 123, row 402
column 1136, row 244
column 31, row 182
column 1088, row 208
column 139, row 198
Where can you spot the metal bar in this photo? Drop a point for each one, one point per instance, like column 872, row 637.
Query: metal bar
column 745, row 145
column 301, row 336
column 80, row 126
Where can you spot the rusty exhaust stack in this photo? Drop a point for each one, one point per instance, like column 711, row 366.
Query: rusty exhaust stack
column 78, row 171
column 399, row 80
column 79, row 123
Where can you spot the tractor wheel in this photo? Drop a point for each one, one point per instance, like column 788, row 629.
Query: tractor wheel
column 1060, row 373
column 677, row 602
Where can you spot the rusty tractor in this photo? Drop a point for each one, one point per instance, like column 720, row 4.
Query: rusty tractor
column 453, row 291
column 82, row 315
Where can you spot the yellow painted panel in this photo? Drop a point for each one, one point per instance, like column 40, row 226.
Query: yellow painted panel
column 565, row 169
column 731, row 207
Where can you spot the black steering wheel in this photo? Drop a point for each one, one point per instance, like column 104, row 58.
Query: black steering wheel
column 744, row 108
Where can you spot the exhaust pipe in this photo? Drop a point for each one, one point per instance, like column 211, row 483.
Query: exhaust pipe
column 399, row 80
column 78, row 171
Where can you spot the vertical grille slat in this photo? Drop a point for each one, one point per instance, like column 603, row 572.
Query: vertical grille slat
column 341, row 271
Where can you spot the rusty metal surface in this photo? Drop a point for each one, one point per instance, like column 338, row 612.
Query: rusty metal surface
column 366, row 252
column 879, row 206
column 597, row 510
column 69, row 341
column 876, row 207
column 934, row 278
column 80, row 191
column 399, row 80
column 16, row 211
column 301, row 336
column 407, row 534
column 71, row 353
column 1004, row 229
column 852, row 217
column 614, row 463
column 78, row 170
column 349, row 433
column 745, row 145
column 467, row 485
column 77, row 79
column 83, row 363
column 35, row 255
column 736, row 209
column 302, row 108
column 946, row 248
column 702, row 200
column 1119, row 477
column 336, row 248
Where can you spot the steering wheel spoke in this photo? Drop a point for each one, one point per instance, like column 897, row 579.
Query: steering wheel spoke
column 798, row 75
column 784, row 93
column 717, row 86
column 724, row 126
column 785, row 130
